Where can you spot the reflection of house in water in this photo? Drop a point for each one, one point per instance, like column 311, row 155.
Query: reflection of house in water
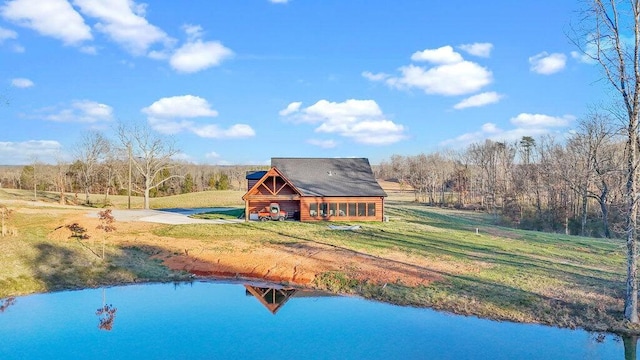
column 272, row 298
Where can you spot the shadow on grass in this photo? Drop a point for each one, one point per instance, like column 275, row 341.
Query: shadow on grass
column 71, row 266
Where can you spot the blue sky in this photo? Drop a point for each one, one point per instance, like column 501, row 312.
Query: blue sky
column 239, row 82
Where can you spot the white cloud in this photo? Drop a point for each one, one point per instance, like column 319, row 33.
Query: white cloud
column 547, row 64
column 591, row 44
column 80, row 111
column 490, row 128
column 361, row 120
column 478, row 49
column 123, row 21
column 375, row 77
column 451, row 79
column 450, row 75
column 184, row 106
column 25, row 152
column 478, row 100
column 199, row 55
column 194, row 32
column 6, row 34
column 583, row 57
column 291, row 108
column 524, row 125
column 325, row 144
column 492, row 132
column 212, row 155
column 213, row 131
column 350, row 111
column 22, row 83
column 540, row 120
column 172, row 115
column 196, row 55
column 442, row 55
column 54, row 18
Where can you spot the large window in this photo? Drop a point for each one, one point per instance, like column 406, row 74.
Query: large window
column 342, row 211
column 371, row 209
column 313, row 210
column 323, row 210
column 362, row 209
column 352, row 209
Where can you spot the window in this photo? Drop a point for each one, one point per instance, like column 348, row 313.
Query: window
column 371, row 209
column 352, row 209
column 323, row 210
column 362, row 209
column 343, row 209
column 313, row 210
column 333, row 209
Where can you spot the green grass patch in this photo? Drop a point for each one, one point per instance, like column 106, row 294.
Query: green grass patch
column 220, row 214
column 214, row 198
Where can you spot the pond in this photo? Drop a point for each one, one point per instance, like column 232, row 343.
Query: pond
column 203, row 320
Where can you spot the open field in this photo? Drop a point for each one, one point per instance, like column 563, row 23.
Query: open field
column 445, row 259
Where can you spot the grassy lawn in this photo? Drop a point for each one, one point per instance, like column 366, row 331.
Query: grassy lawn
column 484, row 270
column 492, row 272
column 234, row 213
column 31, row 262
column 192, row 200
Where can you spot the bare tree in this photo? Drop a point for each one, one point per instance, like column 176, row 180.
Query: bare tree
column 151, row 155
column 610, row 35
column 593, row 165
column 91, row 151
column 60, row 178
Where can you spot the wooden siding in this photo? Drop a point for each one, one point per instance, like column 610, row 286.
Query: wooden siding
column 306, row 203
column 250, row 183
column 274, row 186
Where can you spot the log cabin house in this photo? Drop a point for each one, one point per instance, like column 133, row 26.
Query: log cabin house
column 317, row 189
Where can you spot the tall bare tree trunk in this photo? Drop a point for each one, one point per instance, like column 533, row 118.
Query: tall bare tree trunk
column 608, row 25
column 631, row 298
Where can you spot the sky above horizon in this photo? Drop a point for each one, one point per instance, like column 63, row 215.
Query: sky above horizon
column 239, row 82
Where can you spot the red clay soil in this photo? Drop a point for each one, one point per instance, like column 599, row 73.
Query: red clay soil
column 298, row 264
column 293, row 263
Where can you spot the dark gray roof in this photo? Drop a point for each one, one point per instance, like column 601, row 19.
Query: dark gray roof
column 255, row 174
column 330, row 176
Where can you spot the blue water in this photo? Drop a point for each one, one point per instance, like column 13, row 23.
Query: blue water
column 206, row 320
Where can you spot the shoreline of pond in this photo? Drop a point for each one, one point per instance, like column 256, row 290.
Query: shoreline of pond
column 57, row 261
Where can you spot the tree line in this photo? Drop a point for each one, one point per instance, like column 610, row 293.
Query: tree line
column 574, row 185
column 139, row 162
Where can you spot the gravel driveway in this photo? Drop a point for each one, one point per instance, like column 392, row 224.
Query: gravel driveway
column 161, row 217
